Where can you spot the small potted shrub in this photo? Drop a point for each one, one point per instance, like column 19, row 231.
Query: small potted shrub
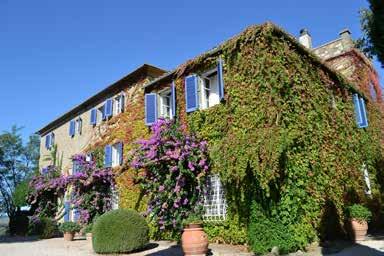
column 194, row 240
column 69, row 229
column 358, row 216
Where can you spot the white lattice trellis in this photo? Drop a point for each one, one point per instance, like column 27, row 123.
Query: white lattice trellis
column 214, row 201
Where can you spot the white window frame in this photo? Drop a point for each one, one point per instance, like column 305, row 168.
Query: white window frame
column 117, row 108
column 215, row 205
column 99, row 114
column 115, row 155
column 115, row 199
column 78, row 125
column 209, row 95
column 164, row 107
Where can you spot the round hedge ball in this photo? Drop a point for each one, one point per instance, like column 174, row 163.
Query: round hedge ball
column 119, row 231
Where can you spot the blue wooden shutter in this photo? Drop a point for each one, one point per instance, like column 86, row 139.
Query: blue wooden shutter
column 360, row 111
column 191, row 95
column 108, row 107
column 220, row 78
column 93, row 116
column 47, row 137
column 173, row 98
column 363, row 111
column 120, row 152
column 150, row 108
column 67, row 207
column 76, row 215
column 51, row 140
column 72, row 128
column 122, row 102
column 108, row 156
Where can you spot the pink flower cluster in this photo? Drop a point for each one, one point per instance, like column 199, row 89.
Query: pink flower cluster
column 172, row 166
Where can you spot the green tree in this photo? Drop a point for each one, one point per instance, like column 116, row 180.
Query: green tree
column 372, row 24
column 17, row 164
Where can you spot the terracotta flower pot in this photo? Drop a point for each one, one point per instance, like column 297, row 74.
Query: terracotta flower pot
column 68, row 236
column 359, row 229
column 194, row 241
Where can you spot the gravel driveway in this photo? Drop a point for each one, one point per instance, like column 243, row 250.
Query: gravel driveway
column 80, row 247
column 58, row 247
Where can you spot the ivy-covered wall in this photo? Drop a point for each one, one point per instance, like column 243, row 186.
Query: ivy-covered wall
column 284, row 137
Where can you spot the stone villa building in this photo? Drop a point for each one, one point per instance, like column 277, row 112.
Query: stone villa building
column 101, row 120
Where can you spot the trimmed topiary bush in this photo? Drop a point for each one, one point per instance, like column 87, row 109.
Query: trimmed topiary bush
column 119, row 231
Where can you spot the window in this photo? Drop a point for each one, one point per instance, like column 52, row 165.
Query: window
column 115, row 199
column 360, row 111
column 113, row 155
column 79, row 125
column 367, row 180
column 117, row 152
column 76, row 168
column 209, row 90
column 100, row 111
column 214, row 200
column 49, row 140
column 205, row 90
column 165, row 104
column 72, row 128
column 118, row 103
column 93, row 118
column 88, row 157
column 162, row 104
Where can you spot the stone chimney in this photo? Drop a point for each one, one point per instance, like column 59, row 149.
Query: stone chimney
column 305, row 38
column 346, row 39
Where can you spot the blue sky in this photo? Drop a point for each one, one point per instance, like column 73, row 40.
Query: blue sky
column 55, row 54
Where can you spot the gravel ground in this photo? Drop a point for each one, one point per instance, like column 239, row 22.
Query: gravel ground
column 81, row 247
column 29, row 246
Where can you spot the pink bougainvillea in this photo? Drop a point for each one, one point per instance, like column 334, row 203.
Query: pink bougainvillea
column 172, row 166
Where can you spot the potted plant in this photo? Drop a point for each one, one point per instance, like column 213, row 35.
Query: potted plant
column 358, row 216
column 194, row 240
column 69, row 229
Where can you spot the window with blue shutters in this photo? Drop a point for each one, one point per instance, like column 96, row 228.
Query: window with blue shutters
column 93, row 116
column 150, row 108
column 72, row 128
column 108, row 108
column 108, row 156
column 191, row 93
column 360, row 111
column 67, row 208
column 49, row 140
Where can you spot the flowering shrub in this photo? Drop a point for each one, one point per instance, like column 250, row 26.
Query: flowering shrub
column 91, row 189
column 46, row 189
column 172, row 166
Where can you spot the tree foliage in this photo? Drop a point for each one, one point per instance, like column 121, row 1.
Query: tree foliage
column 372, row 24
column 17, row 163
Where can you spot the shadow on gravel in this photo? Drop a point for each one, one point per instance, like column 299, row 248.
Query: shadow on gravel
column 355, row 250
column 18, row 239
